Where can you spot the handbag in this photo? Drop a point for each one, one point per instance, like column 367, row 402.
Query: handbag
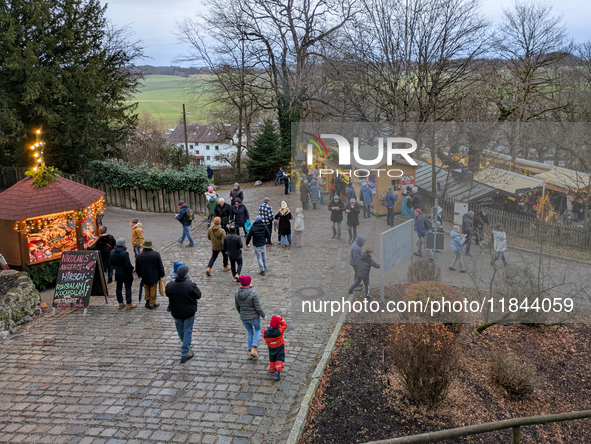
column 162, row 287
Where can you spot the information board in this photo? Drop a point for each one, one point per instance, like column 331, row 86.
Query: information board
column 79, row 277
column 397, row 245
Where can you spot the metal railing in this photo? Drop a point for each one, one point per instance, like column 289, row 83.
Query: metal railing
column 514, row 424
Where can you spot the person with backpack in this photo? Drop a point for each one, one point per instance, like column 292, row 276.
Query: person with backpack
column 185, row 216
column 391, row 199
column 457, row 246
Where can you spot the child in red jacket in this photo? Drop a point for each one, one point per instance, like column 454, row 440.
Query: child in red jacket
column 274, row 338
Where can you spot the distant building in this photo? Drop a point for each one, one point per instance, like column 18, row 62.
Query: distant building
column 207, row 141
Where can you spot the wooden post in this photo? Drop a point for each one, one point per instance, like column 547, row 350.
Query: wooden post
column 161, row 202
column 144, row 199
column 132, row 199
column 516, row 435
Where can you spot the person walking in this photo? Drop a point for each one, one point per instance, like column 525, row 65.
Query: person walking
column 239, row 215
column 216, row 235
column 209, row 172
column 273, row 336
column 336, row 208
column 233, row 248
column 286, row 182
column 364, row 265
column 314, row 193
column 500, row 244
column 305, row 194
column 104, row 245
column 350, row 192
column 321, row 188
column 211, row 204
column 298, row 228
column 123, row 273
column 150, row 269
column 391, row 199
column 352, row 209
column 365, row 195
column 421, row 228
column 468, row 230
column 414, row 201
column 266, row 213
column 249, row 307
column 224, row 212
column 185, row 217
column 183, row 294
column 236, row 192
column 259, row 233
column 284, row 230
column 137, row 235
column 457, row 246
column 480, row 222
column 355, row 254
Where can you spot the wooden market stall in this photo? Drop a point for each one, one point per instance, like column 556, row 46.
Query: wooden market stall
column 38, row 224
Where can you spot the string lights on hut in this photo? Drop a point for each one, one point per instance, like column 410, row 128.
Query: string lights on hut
column 37, row 149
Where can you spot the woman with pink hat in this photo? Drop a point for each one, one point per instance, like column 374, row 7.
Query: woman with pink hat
column 249, row 306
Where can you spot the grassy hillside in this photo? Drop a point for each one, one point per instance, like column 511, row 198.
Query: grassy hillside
column 163, row 98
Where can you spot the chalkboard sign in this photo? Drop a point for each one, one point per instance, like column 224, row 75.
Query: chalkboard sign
column 79, row 277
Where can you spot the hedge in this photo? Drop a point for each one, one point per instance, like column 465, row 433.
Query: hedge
column 118, row 174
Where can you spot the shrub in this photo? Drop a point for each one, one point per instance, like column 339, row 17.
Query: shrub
column 424, row 355
column 427, row 292
column 43, row 275
column 118, row 174
column 424, row 270
column 516, row 378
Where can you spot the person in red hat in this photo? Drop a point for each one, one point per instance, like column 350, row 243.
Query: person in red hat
column 274, row 338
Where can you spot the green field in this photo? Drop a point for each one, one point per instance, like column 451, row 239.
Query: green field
column 163, row 96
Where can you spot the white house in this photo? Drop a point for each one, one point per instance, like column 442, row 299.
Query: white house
column 206, row 142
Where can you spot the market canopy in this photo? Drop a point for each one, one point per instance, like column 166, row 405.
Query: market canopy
column 564, row 180
column 23, row 200
column 507, row 181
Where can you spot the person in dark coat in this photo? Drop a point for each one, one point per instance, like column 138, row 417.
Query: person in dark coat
column 286, row 182
column 480, row 221
column 304, row 169
column 336, row 208
column 248, row 305
column 391, row 198
column 365, row 195
column 239, row 215
column 150, row 269
column 182, row 297
column 350, row 192
column 183, row 218
column 468, row 230
column 273, row 336
column 338, row 186
column 414, row 202
column 236, row 192
column 123, row 273
column 209, row 172
column 355, row 254
column 259, row 233
column 284, row 218
column 224, row 212
column 305, row 195
column 233, row 247
column 314, row 192
column 105, row 244
column 421, row 227
column 364, row 265
column 352, row 210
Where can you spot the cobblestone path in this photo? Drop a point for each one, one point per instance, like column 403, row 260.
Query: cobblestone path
column 115, row 376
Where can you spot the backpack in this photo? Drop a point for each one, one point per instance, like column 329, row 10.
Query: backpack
column 190, row 215
column 384, row 200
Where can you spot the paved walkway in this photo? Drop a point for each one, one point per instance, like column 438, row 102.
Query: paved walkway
column 115, row 376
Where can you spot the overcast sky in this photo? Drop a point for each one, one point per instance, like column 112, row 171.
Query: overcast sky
column 153, row 22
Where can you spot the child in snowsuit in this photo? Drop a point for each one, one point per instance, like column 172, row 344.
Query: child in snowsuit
column 274, row 338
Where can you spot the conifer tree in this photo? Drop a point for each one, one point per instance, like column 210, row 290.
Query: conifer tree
column 264, row 157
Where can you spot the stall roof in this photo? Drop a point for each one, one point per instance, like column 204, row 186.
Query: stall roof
column 23, row 200
column 506, row 180
column 459, row 187
column 565, row 180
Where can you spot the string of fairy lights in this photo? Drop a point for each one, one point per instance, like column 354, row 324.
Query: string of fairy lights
column 37, row 148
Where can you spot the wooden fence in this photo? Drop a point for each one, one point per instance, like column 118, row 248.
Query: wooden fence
column 570, row 237
column 231, row 176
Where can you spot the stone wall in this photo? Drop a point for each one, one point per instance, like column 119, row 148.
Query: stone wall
column 19, row 300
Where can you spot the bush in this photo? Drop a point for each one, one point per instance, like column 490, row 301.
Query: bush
column 424, row 355
column 516, row 378
column 118, row 174
column 435, row 291
column 424, row 270
column 43, row 275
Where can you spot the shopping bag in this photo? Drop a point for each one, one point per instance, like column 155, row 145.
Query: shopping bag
column 162, row 287
column 247, row 226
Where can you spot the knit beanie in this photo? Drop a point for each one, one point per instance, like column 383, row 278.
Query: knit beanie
column 283, row 204
column 245, row 281
column 275, row 322
column 418, row 210
column 217, row 221
column 210, row 189
column 121, row 242
column 258, row 219
column 182, row 271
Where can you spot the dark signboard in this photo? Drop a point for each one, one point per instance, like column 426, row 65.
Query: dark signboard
column 79, row 277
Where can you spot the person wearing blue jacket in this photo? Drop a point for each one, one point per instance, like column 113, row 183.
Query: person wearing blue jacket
column 350, row 192
column 365, row 195
column 391, row 199
column 239, row 215
column 457, row 246
column 355, row 254
column 182, row 217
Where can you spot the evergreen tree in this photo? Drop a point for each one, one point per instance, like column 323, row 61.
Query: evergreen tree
column 64, row 69
column 264, row 157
